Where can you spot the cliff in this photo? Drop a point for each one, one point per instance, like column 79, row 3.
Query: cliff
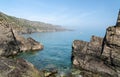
column 101, row 56
column 111, row 45
column 11, row 43
column 26, row 26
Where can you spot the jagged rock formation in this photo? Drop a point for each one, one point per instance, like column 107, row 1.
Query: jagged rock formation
column 26, row 26
column 87, row 56
column 100, row 55
column 8, row 44
column 28, row 44
column 18, row 68
column 118, row 19
column 11, row 43
column 111, row 45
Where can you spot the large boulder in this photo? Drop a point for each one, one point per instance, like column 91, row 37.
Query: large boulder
column 28, row 44
column 18, row 68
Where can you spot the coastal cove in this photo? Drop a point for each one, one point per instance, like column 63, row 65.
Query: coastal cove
column 60, row 38
column 57, row 49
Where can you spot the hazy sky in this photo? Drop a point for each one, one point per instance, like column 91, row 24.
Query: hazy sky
column 82, row 13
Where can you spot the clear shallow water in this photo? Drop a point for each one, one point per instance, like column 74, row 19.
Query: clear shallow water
column 57, row 49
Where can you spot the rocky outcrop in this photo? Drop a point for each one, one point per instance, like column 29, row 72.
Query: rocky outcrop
column 111, row 45
column 86, row 49
column 100, row 55
column 17, row 68
column 8, row 43
column 11, row 43
column 28, row 44
column 87, row 56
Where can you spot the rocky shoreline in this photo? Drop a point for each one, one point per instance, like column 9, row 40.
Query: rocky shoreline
column 100, row 56
column 12, row 44
column 18, row 68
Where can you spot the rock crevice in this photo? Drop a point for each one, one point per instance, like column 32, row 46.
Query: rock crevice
column 11, row 43
column 100, row 55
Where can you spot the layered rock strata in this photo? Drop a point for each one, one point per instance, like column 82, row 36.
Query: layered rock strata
column 100, row 55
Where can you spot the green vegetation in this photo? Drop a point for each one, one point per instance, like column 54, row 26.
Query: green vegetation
column 26, row 26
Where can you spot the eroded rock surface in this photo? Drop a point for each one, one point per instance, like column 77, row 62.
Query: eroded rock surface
column 8, row 43
column 100, row 55
column 111, row 45
column 11, row 43
column 87, row 56
column 17, row 68
column 28, row 44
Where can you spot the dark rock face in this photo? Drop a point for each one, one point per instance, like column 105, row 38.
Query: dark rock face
column 118, row 19
column 11, row 43
column 17, row 68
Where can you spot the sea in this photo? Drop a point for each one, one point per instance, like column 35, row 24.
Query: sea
column 57, row 49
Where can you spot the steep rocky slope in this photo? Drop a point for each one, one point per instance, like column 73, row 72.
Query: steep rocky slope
column 11, row 43
column 87, row 56
column 8, row 42
column 100, row 56
column 26, row 26
column 111, row 45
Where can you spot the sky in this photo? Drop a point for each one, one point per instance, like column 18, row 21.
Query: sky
column 83, row 14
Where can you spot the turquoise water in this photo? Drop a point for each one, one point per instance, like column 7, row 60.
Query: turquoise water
column 57, row 49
